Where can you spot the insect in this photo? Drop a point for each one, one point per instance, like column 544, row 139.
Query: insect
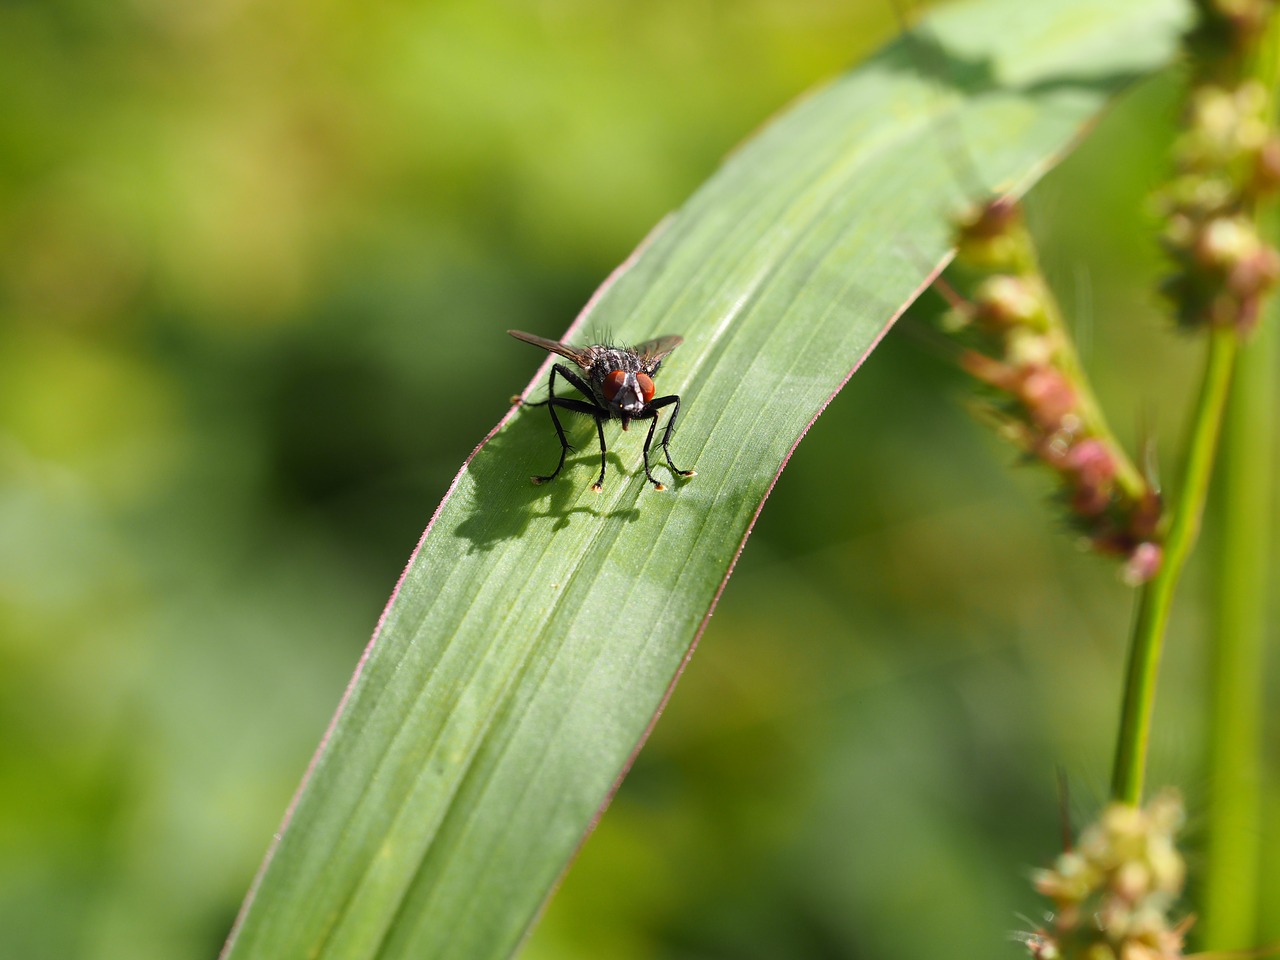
column 618, row 384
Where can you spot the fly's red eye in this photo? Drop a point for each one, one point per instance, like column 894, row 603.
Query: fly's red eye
column 646, row 387
column 613, row 383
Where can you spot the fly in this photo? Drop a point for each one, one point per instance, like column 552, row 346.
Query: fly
column 618, row 384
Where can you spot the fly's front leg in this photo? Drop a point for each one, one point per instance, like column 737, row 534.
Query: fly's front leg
column 599, row 484
column 655, row 406
column 551, row 404
column 648, row 442
column 576, row 406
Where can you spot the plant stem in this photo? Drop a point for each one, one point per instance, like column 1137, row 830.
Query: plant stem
column 1244, row 576
column 1236, row 669
column 1157, row 595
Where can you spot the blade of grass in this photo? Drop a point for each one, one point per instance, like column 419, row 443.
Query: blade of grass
column 537, row 631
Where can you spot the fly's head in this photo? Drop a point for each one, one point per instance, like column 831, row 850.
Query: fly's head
column 624, row 379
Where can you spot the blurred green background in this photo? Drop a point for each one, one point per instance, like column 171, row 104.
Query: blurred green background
column 256, row 265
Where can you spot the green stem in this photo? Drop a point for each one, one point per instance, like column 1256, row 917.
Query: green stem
column 1236, row 670
column 1157, row 595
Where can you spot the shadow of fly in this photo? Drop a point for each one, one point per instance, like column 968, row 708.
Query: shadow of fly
column 618, row 385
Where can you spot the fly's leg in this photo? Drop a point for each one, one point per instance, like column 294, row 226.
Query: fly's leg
column 655, row 406
column 599, row 484
column 565, row 446
column 576, row 406
column 648, row 442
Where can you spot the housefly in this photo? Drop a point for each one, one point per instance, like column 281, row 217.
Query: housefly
column 618, row 384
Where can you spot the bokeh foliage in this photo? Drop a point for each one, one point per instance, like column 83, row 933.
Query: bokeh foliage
column 255, row 260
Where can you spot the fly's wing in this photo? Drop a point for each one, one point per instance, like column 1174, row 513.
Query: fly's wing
column 651, row 352
column 582, row 356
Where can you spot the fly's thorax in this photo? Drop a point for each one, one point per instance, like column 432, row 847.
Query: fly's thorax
column 605, row 360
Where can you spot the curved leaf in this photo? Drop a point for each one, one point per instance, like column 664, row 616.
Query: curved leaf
column 537, row 630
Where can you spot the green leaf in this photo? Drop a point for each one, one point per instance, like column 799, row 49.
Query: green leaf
column 537, row 630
